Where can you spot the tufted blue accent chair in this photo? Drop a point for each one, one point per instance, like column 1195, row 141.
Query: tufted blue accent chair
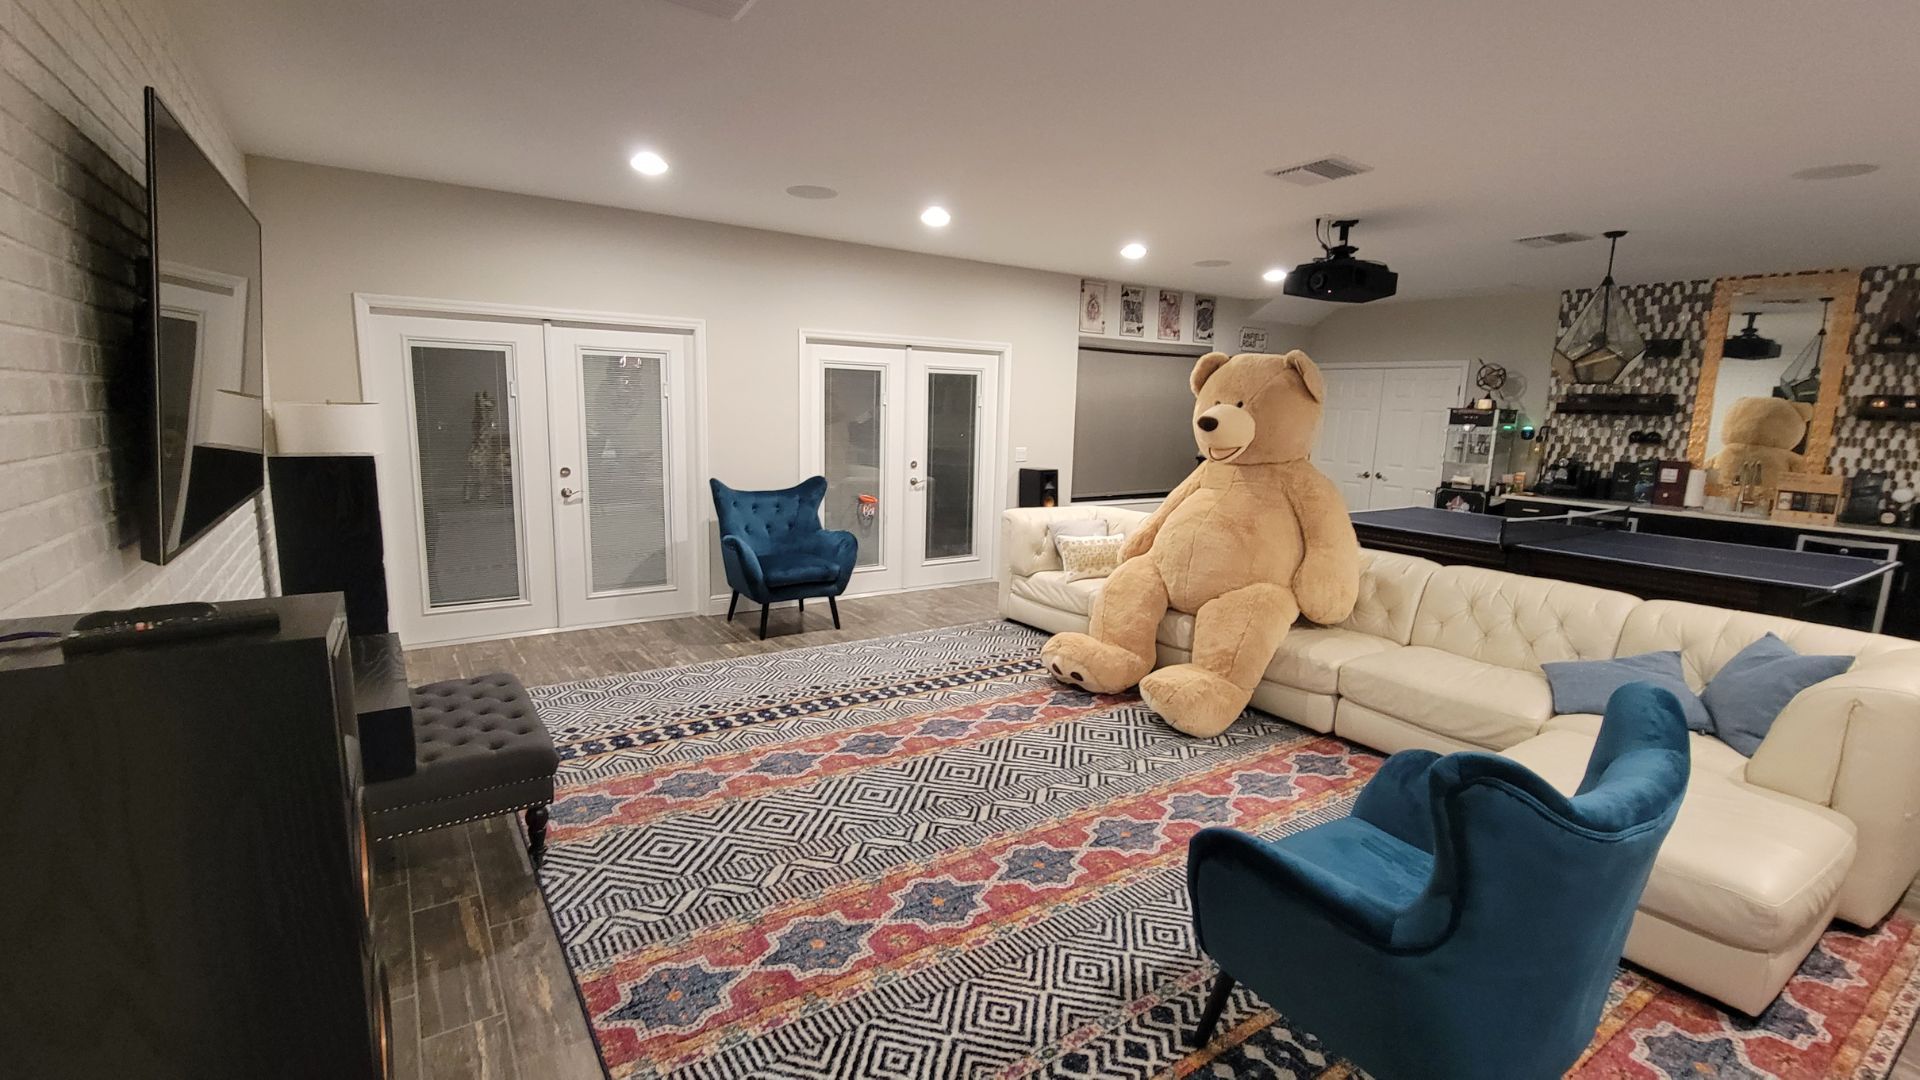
column 775, row 549
column 1466, row 920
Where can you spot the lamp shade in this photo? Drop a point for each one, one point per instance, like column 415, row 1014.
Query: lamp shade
column 326, row 429
column 231, row 421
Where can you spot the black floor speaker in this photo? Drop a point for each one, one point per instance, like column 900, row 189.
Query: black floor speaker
column 326, row 524
column 1039, row 487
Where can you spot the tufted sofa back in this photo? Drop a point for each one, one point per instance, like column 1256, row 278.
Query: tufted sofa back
column 768, row 520
column 1391, row 585
column 1516, row 621
column 1708, row 637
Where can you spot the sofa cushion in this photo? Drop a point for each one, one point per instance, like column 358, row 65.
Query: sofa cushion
column 1310, row 657
column 1479, row 703
column 1581, row 686
column 1390, row 588
column 783, row 568
column 1709, row 753
column 1752, row 689
column 1742, row 865
column 1516, row 621
column 1052, row 589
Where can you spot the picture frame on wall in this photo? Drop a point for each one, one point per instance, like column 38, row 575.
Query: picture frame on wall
column 1203, row 309
column 1168, row 328
column 1093, row 306
column 1133, row 311
column 1253, row 339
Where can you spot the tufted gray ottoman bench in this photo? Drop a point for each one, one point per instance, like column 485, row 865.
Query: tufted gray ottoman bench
column 479, row 750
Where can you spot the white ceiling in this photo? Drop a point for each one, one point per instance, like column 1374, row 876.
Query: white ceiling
column 1056, row 130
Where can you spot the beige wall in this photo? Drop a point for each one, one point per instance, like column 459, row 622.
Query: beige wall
column 333, row 232
column 1514, row 331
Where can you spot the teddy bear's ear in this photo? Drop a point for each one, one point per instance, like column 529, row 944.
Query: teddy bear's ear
column 1204, row 370
column 1309, row 374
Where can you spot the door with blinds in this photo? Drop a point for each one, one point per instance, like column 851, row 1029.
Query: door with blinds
column 620, row 488
column 534, row 475
column 906, row 437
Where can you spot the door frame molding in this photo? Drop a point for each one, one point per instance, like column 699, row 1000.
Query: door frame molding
column 809, row 398
column 367, row 305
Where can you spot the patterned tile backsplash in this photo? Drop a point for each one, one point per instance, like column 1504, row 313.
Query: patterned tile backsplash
column 1678, row 310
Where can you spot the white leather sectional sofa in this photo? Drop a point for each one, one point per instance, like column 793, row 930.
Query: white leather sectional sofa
column 1822, row 822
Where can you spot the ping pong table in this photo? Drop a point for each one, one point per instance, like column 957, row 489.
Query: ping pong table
column 1599, row 548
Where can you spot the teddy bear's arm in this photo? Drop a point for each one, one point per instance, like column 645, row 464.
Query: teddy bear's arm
column 1141, row 538
column 1327, row 582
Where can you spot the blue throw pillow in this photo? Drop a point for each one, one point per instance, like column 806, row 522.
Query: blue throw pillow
column 1583, row 686
column 1747, row 695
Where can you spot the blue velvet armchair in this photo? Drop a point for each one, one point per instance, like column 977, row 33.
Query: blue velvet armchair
column 775, row 549
column 1466, row 920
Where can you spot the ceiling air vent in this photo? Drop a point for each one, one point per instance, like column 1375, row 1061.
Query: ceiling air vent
column 730, row 10
column 1321, row 171
column 1552, row 239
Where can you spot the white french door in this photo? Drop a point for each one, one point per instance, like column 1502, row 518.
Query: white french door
column 1384, row 431
column 534, row 475
column 906, row 437
column 623, row 536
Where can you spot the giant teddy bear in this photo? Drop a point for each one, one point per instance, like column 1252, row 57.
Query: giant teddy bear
column 1761, row 433
column 1252, row 539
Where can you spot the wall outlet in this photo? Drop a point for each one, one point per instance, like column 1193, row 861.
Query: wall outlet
column 1019, row 453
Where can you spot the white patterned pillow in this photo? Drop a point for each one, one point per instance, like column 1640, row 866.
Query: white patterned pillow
column 1090, row 556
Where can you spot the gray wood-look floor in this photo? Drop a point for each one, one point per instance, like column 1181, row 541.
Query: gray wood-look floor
column 480, row 988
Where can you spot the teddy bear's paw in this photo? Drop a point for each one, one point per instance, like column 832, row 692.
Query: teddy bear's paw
column 1091, row 664
column 1193, row 700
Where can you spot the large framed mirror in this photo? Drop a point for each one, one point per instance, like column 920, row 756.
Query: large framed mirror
column 1784, row 339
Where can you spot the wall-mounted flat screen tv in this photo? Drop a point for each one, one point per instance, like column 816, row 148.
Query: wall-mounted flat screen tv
column 203, row 410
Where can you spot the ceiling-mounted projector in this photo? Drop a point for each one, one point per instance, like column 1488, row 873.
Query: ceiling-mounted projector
column 1339, row 277
column 1749, row 345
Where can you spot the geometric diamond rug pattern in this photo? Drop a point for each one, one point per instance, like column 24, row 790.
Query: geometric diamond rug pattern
column 920, row 857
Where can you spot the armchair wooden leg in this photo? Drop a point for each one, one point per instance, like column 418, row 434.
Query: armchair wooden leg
column 803, row 613
column 536, row 834
column 763, row 622
column 834, row 605
column 731, row 604
column 1216, row 1004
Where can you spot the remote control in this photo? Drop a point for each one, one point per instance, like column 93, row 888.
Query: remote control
column 159, row 625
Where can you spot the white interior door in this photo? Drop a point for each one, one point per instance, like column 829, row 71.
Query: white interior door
column 1349, row 428
column 468, row 522
column 907, row 438
column 952, row 402
column 1413, row 431
column 621, row 483
column 859, row 446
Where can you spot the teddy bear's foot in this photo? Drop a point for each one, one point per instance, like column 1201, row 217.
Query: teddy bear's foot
column 1092, row 664
column 1194, row 700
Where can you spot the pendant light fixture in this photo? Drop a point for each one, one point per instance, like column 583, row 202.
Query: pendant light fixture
column 1748, row 344
column 1801, row 380
column 1603, row 340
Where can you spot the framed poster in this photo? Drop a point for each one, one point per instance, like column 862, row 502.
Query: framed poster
column 1168, row 328
column 1253, row 339
column 1093, row 306
column 1203, row 319
column 1133, row 311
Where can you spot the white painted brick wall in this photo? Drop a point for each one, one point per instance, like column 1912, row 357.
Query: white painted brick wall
column 72, row 222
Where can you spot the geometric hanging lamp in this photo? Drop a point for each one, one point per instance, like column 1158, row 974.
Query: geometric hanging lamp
column 1801, row 380
column 1602, row 341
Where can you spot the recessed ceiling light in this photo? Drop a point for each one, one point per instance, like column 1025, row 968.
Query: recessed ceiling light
column 648, row 163
column 935, row 216
column 811, row 191
column 1835, row 172
column 1135, row 250
column 1275, row 274
column 1211, row 264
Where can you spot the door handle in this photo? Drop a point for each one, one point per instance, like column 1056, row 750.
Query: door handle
column 1379, row 476
column 1365, row 475
column 568, row 493
column 915, row 482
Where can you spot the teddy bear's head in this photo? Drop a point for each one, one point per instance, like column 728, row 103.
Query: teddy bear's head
column 1256, row 408
column 1765, row 421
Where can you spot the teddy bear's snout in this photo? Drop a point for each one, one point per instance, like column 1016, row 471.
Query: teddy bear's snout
column 1207, row 423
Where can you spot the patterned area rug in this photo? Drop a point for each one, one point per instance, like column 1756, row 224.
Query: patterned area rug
column 918, row 857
